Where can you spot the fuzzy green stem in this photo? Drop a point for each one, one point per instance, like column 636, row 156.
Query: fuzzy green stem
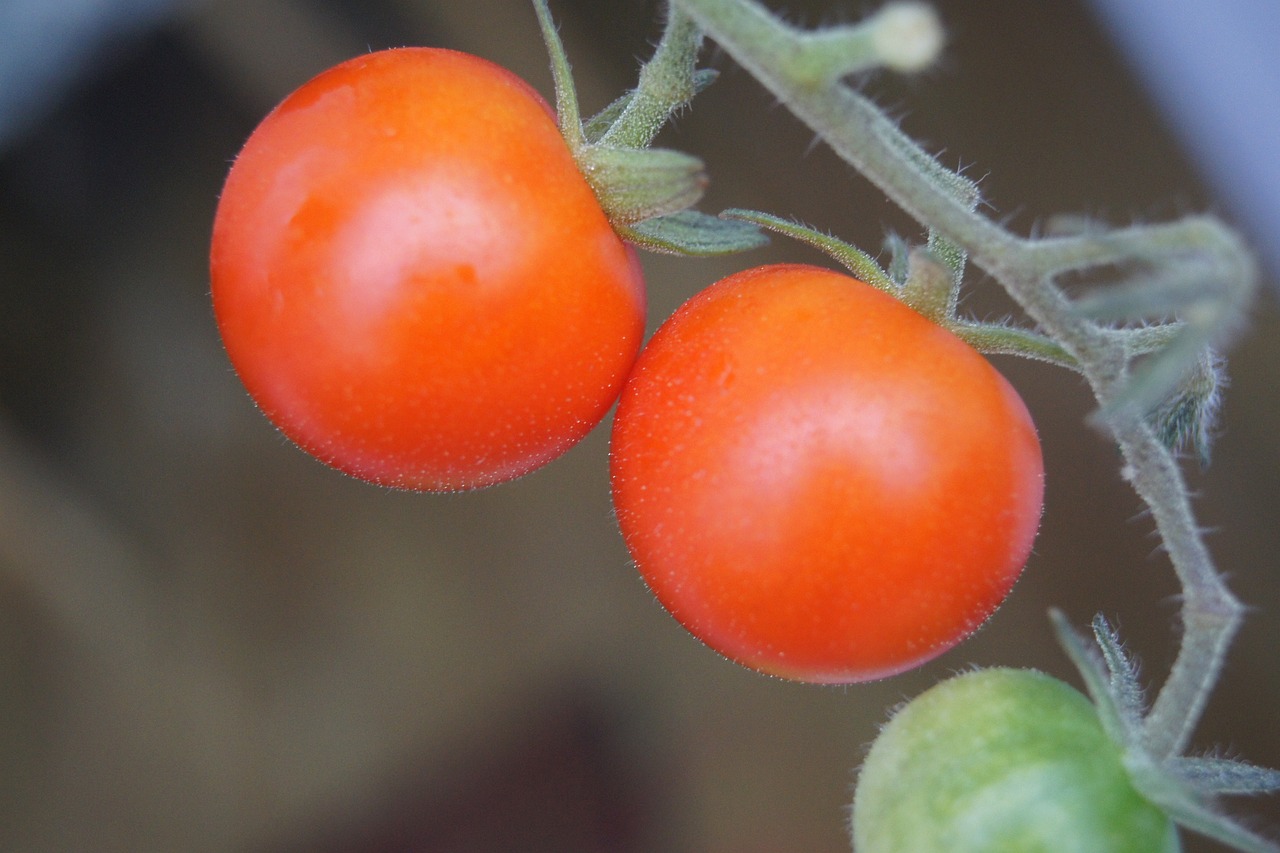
column 568, row 114
column 930, row 286
column 667, row 83
column 862, row 136
column 1051, row 255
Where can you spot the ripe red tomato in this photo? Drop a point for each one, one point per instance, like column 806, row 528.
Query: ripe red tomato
column 817, row 481
column 413, row 279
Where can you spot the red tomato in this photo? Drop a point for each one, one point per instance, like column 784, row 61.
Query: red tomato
column 817, row 481
column 413, row 279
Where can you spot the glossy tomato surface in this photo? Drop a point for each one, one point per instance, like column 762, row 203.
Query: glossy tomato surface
column 413, row 279
column 817, row 481
column 1002, row 761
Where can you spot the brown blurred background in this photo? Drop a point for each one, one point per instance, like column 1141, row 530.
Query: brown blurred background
column 210, row 642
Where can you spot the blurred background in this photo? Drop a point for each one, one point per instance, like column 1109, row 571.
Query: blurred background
column 209, row 641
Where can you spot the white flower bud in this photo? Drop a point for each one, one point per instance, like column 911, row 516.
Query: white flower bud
column 908, row 36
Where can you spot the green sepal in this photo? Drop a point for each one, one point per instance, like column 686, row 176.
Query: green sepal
column 1226, row 776
column 568, row 116
column 1125, row 689
column 1116, row 719
column 634, row 184
column 690, row 232
column 856, row 261
column 1006, row 339
column 1189, row 807
column 1186, row 419
column 951, row 255
column 899, row 253
column 1181, row 787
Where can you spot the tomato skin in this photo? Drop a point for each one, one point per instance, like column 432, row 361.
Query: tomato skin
column 413, row 279
column 1002, row 760
column 818, row 482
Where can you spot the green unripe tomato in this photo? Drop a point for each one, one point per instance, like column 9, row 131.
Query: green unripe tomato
column 1002, row 761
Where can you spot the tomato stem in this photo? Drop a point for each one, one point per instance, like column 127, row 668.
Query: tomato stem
column 668, row 82
column 782, row 58
column 646, row 193
column 568, row 115
column 930, row 287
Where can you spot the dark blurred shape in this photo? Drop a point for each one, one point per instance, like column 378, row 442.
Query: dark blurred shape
column 558, row 784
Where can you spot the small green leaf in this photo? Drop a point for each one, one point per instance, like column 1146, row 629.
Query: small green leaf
column 692, row 233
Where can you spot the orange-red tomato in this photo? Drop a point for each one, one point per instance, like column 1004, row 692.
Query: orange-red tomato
column 413, row 279
column 817, row 481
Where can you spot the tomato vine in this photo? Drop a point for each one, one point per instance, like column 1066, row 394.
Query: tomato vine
column 1155, row 379
column 1146, row 338
column 1197, row 269
column 1029, row 269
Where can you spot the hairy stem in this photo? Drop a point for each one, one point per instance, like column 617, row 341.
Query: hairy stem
column 1210, row 613
column 781, row 58
column 667, row 83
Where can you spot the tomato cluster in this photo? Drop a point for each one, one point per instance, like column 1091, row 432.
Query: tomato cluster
column 417, row 285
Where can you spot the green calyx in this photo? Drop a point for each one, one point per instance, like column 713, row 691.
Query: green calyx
column 927, row 278
column 635, row 184
column 1184, row 787
column 1008, row 759
column 649, row 196
column 647, row 193
column 1002, row 760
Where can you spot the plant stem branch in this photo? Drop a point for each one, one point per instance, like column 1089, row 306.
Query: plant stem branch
column 860, row 133
column 666, row 84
